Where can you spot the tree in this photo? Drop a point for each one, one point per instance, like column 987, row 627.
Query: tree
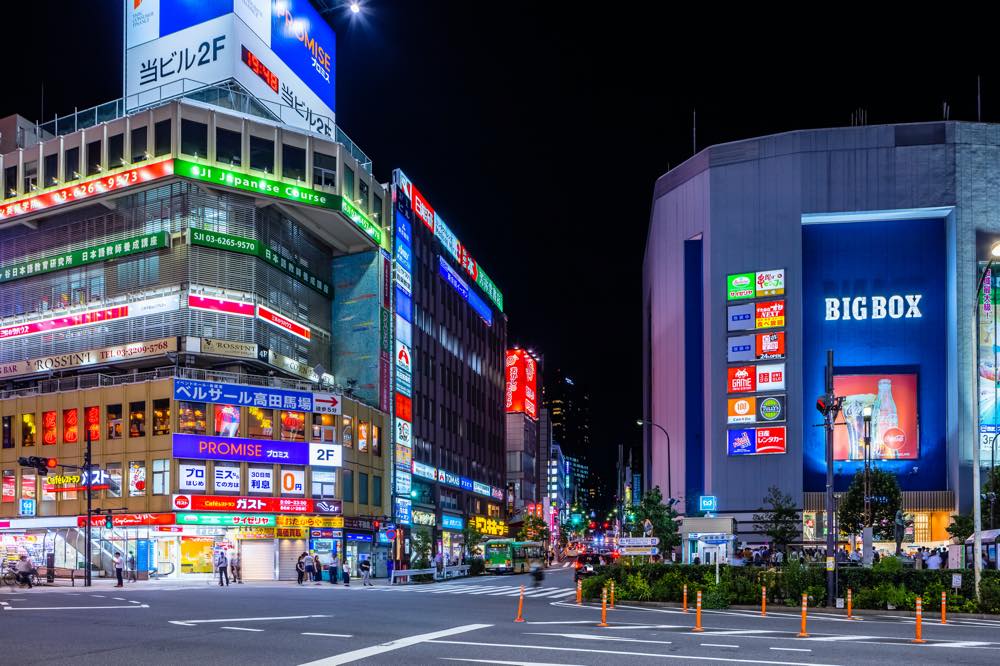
column 780, row 520
column 886, row 499
column 533, row 529
column 662, row 515
column 472, row 538
column 421, row 543
column 991, row 499
column 961, row 527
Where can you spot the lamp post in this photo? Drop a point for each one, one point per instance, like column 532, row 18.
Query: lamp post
column 642, row 422
column 866, row 532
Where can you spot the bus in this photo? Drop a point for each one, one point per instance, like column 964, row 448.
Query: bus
column 510, row 556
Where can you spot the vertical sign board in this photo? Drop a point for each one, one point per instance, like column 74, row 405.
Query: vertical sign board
column 402, row 365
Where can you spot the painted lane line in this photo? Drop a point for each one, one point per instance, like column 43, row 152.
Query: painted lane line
column 118, row 599
column 99, row 596
column 240, row 629
column 562, row 622
column 590, row 637
column 4, row 603
column 183, row 624
column 962, row 644
column 313, row 633
column 246, row 619
column 506, row 663
column 47, row 608
column 135, row 602
column 725, row 645
column 826, row 639
column 633, row 654
column 365, row 653
column 780, row 649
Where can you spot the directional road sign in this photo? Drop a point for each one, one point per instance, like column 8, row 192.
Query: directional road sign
column 639, row 541
column 640, row 550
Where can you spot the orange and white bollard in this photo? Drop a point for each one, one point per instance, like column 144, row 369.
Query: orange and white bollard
column 685, row 598
column 520, row 607
column 697, row 613
column 920, row 620
column 805, row 605
column 944, row 607
column 604, row 607
column 849, row 608
column 612, row 595
column 579, row 592
column 763, row 600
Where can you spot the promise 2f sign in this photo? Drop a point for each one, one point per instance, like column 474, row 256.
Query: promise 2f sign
column 739, row 286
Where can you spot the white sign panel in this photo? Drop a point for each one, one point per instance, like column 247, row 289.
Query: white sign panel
column 404, row 430
column 771, row 377
column 639, row 541
column 227, row 479
column 260, row 480
column 326, row 403
column 325, row 455
column 93, row 357
column 293, row 482
column 403, row 356
column 192, row 476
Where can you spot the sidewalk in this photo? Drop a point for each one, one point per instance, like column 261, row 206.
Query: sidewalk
column 63, row 586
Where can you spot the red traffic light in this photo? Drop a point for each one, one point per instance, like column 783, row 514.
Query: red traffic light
column 376, row 524
column 51, row 463
column 605, row 524
column 593, row 525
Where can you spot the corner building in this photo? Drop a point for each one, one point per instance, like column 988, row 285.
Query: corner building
column 761, row 255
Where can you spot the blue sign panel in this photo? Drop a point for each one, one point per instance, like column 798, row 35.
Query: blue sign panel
column 741, row 442
column 466, row 483
column 473, row 299
column 354, row 536
column 404, row 230
column 307, row 44
column 449, row 478
column 177, row 15
column 404, row 256
column 238, row 449
column 236, row 394
column 404, row 305
column 740, row 348
column 451, row 522
column 708, row 503
column 27, row 507
column 403, row 510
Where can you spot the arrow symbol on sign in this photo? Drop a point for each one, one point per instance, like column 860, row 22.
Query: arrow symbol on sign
column 333, row 402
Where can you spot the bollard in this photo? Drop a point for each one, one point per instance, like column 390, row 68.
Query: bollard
column 849, row 616
column 697, row 612
column 685, row 598
column 920, row 617
column 604, row 607
column 805, row 605
column 520, row 607
column 944, row 607
column 612, row 595
column 579, row 592
column 763, row 600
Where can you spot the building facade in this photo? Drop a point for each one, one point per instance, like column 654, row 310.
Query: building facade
column 762, row 255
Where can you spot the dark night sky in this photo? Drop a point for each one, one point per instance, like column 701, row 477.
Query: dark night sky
column 537, row 130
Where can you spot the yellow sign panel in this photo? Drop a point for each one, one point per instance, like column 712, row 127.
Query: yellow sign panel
column 490, row 526
column 255, row 533
column 291, row 532
column 310, row 521
column 59, row 479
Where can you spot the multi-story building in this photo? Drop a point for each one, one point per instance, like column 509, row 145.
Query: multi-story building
column 526, row 452
column 558, row 483
column 569, row 407
column 582, row 491
column 451, row 334
column 198, row 293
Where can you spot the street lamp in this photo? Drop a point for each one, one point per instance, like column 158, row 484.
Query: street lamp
column 866, row 533
column 642, row 422
column 977, row 509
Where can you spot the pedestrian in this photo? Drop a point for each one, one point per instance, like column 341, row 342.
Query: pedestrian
column 334, row 568
column 390, row 564
column 236, row 567
column 310, row 564
column 300, row 568
column 131, row 568
column 366, row 568
column 347, row 575
column 439, row 565
column 222, row 566
column 23, row 569
column 119, row 566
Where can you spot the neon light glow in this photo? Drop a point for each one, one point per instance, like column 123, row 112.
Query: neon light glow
column 221, row 305
column 88, row 317
column 283, row 323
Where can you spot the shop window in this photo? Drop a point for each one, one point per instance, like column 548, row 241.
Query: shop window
column 921, row 527
column 260, row 423
column 29, row 486
column 49, row 427
column 261, row 154
column 376, row 440
column 293, row 162
column 324, row 428
column 161, row 138
column 227, row 420
column 114, row 421
column 138, row 141
column 376, row 491
column 161, row 416
column 114, row 471
column 92, row 420
column 348, row 485
column 191, row 418
column 324, row 484
column 136, row 478
column 362, row 488
column 161, row 476
column 293, row 426
column 227, row 147
column 227, row 478
column 9, row 486
column 71, row 426
column 8, row 432
column 51, row 166
column 30, row 176
column 347, row 431
column 10, row 182
column 28, row 430
column 137, row 419
column 363, row 427
column 194, row 138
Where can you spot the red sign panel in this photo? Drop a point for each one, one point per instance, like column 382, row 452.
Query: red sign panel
column 231, row 504
column 771, row 440
column 129, row 519
column 221, row 305
column 48, row 427
column 742, row 379
column 404, row 407
column 278, row 320
column 422, row 209
column 770, row 345
column 522, row 383
column 770, row 314
column 56, row 323
column 9, row 488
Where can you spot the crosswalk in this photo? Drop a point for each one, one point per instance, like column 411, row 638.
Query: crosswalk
column 485, row 590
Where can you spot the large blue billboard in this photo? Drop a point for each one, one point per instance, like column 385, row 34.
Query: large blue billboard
column 874, row 292
column 307, row 44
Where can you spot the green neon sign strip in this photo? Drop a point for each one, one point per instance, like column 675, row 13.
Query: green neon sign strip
column 216, row 175
column 226, row 519
column 88, row 255
column 489, row 288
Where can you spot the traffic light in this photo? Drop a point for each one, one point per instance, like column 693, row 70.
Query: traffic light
column 605, row 524
column 109, row 522
column 41, row 465
column 376, row 524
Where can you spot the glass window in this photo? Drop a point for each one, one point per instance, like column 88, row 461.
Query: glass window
column 29, row 432
column 71, row 426
column 114, row 420
column 137, row 419
column 227, row 147
column 139, row 139
column 260, row 423
column 347, row 431
column 293, row 426
column 94, row 157
column 161, row 476
column 324, row 484
column 293, row 162
column 227, row 478
column 227, row 420
column 362, row 488
column 30, row 176
column 324, row 170
column 161, row 138
column 376, row 491
column 136, row 478
column 261, row 154
column 363, row 435
column 114, row 471
column 324, row 428
column 376, row 440
column 29, row 485
column 348, row 485
column 9, row 486
column 191, row 475
column 10, row 182
column 349, row 183
column 363, row 194
column 377, row 206
column 191, row 418
column 51, row 169
column 161, row 416
column 8, row 432
column 72, row 167
column 116, row 151
column 194, row 138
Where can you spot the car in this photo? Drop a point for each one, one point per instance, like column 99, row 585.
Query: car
column 586, row 565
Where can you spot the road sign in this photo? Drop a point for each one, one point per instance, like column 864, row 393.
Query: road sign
column 708, row 503
column 639, row 541
column 390, row 534
column 27, row 507
column 326, row 403
column 640, row 550
column 956, row 581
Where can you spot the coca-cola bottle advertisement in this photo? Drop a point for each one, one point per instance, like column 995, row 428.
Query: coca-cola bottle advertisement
column 893, row 402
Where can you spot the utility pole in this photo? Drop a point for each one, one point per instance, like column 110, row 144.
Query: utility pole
column 90, row 495
column 830, row 407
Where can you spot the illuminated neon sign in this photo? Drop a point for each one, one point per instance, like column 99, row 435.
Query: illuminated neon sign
column 88, row 317
column 221, row 305
column 88, row 255
column 284, row 323
column 471, row 297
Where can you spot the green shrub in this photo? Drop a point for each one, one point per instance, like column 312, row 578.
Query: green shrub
column 716, row 596
column 636, row 587
column 592, row 586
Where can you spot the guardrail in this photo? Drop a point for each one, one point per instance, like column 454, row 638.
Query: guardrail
column 448, row 572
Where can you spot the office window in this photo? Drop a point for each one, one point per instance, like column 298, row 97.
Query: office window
column 136, row 478
column 363, row 194
column 194, row 138
column 324, row 484
column 349, row 183
column 71, row 426
column 376, row 440
column 30, row 176
column 293, row 162
column 114, row 419
column 114, row 470
column 227, row 420
column 9, row 486
column 260, row 423
column 10, row 182
column 227, row 147
column 376, row 491
column 324, row 170
column 29, row 431
column 191, row 418
column 324, row 428
column 161, row 416
column 137, row 419
column 161, row 138
column 116, row 151
column 94, row 157
column 347, row 431
column 348, row 485
column 51, row 165
column 161, row 476
column 72, row 166
column 8, row 432
column 139, row 138
column 362, row 488
column 293, row 426
column 261, row 154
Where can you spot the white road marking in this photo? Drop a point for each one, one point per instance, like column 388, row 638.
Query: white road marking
column 563, row 622
column 962, row 644
column 591, row 637
column 725, row 645
column 135, row 602
column 46, row 608
column 511, row 663
column 99, row 596
column 118, row 599
column 4, row 603
column 243, row 619
column 240, row 629
column 364, row 653
column 791, row 649
column 564, row 593
column 632, row 654
column 843, row 638
column 313, row 633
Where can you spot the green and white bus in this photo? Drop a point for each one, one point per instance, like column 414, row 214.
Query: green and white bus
column 510, row 556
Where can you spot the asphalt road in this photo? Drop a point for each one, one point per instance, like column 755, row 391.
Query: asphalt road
column 465, row 621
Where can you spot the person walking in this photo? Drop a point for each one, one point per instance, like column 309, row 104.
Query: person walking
column 236, row 567
column 347, row 575
column 366, row 568
column 390, row 564
column 310, row 564
column 131, row 568
column 300, row 568
column 222, row 565
column 334, row 569
column 119, row 566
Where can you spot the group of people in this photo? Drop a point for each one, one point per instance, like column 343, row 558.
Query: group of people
column 309, row 568
column 226, row 563
column 930, row 558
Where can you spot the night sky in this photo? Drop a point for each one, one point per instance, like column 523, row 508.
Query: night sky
column 537, row 130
